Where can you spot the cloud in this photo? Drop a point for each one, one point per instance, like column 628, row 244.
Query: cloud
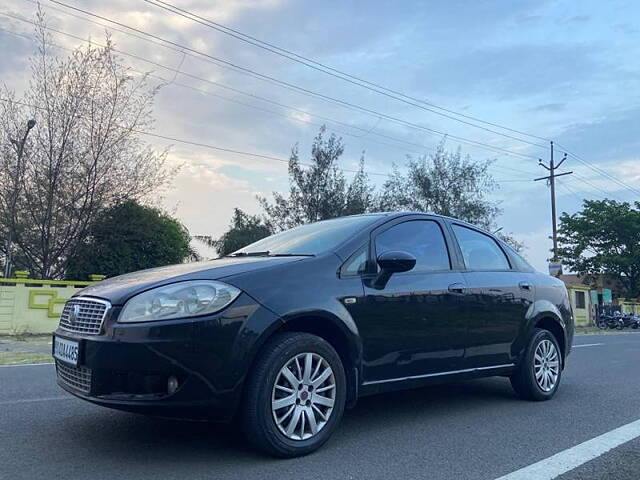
column 607, row 139
column 507, row 62
column 629, row 170
column 505, row 72
column 549, row 107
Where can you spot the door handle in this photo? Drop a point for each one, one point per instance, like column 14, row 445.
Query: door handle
column 456, row 288
column 525, row 285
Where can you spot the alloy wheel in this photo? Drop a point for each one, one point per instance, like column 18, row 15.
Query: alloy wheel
column 546, row 365
column 303, row 396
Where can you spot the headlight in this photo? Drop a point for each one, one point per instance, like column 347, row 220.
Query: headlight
column 179, row 300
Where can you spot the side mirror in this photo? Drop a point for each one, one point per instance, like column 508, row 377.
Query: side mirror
column 390, row 263
column 396, row 261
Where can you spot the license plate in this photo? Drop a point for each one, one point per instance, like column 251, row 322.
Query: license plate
column 66, row 350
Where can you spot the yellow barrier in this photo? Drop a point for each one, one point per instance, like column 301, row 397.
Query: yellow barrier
column 34, row 306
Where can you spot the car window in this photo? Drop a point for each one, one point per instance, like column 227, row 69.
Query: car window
column 519, row 261
column 312, row 238
column 421, row 238
column 357, row 263
column 480, row 251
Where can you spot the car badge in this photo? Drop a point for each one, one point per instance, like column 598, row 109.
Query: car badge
column 74, row 314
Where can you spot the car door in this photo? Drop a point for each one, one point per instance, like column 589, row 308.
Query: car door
column 497, row 299
column 413, row 325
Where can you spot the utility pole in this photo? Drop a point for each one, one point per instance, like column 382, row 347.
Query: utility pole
column 19, row 145
column 552, row 183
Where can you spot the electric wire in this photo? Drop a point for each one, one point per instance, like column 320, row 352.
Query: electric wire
column 330, row 70
column 600, row 171
column 297, row 88
column 373, row 113
column 224, row 149
column 462, row 139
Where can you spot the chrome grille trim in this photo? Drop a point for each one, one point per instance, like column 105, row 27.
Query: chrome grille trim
column 78, row 378
column 91, row 316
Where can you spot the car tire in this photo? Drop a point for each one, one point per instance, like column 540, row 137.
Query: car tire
column 270, row 382
column 539, row 372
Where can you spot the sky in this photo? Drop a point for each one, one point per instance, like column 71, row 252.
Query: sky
column 561, row 70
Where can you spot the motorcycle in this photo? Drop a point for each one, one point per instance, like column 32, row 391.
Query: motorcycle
column 630, row 320
column 611, row 321
column 618, row 320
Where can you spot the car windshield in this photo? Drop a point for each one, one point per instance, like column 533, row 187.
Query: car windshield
column 310, row 239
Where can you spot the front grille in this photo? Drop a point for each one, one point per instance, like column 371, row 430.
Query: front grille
column 84, row 315
column 78, row 378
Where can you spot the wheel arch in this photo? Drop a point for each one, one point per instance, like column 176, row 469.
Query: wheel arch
column 333, row 330
column 555, row 327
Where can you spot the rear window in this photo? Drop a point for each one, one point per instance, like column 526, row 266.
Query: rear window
column 480, row 251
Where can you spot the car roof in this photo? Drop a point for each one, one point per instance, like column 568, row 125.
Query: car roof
column 398, row 214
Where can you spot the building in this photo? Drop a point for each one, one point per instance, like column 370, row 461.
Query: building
column 588, row 297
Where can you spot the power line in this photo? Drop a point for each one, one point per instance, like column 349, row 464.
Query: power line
column 275, row 81
column 353, row 79
column 297, row 88
column 337, row 73
column 569, row 190
column 217, row 84
column 595, row 187
column 228, row 99
column 601, row 171
column 355, row 107
column 495, row 166
column 219, row 148
column 490, row 147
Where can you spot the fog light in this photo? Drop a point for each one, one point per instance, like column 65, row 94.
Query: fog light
column 172, row 385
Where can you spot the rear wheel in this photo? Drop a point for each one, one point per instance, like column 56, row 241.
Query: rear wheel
column 540, row 370
column 295, row 395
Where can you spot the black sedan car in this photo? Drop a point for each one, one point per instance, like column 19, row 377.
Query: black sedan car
column 282, row 335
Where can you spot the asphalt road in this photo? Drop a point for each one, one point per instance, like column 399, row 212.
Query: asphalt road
column 470, row 430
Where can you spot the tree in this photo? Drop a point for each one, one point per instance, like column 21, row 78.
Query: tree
column 603, row 239
column 83, row 156
column 319, row 191
column 130, row 237
column 444, row 183
column 244, row 229
column 15, row 132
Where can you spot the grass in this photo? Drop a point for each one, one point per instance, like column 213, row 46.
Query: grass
column 597, row 331
column 25, row 348
column 17, row 358
column 27, row 338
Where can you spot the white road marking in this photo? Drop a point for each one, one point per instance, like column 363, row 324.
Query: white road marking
column 588, row 345
column 26, row 365
column 571, row 458
column 33, row 400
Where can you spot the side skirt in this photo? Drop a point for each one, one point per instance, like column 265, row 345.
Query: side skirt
column 402, row 383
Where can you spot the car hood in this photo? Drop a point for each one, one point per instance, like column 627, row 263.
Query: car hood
column 119, row 289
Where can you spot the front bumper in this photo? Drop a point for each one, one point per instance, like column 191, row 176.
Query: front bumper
column 128, row 367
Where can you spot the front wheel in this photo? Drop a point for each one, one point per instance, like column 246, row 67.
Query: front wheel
column 538, row 375
column 295, row 395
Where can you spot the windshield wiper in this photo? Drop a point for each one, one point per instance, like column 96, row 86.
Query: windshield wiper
column 267, row 254
column 250, row 254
